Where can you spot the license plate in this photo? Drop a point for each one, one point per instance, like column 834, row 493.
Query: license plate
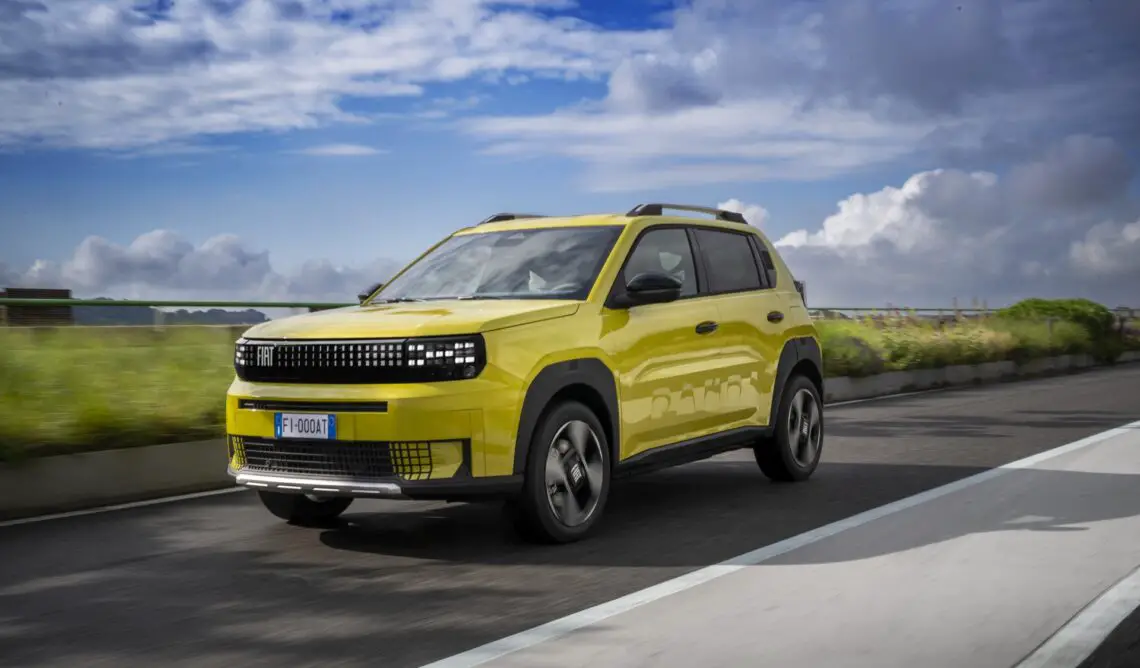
column 305, row 425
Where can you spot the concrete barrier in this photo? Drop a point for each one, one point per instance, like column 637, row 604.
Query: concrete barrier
column 896, row 382
column 91, row 479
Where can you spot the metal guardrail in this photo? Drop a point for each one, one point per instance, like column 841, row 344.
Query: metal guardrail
column 826, row 312
column 19, row 301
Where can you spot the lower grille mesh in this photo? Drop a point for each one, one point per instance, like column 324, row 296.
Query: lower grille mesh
column 355, row 460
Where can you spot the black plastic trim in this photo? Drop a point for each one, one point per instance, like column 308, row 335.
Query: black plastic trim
column 795, row 351
column 687, row 452
column 314, row 406
column 463, row 489
column 588, row 371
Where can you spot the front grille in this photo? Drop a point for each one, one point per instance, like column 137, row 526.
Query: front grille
column 420, row 360
column 354, row 460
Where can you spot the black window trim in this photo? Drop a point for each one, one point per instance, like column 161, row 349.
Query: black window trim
column 617, row 288
column 771, row 276
column 760, row 273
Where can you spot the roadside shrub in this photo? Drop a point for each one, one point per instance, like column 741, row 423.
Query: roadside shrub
column 850, row 349
column 1096, row 318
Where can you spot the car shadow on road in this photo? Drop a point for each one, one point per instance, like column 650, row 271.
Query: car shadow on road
column 702, row 514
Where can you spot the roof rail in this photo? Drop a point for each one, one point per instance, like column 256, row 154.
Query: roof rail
column 500, row 217
column 657, row 210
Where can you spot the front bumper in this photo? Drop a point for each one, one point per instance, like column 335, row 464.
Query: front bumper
column 363, row 469
column 470, row 489
column 416, row 443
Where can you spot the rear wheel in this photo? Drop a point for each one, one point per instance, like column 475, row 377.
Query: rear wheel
column 304, row 509
column 567, row 476
column 791, row 453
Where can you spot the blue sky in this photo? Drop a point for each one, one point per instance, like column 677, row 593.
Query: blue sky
column 903, row 152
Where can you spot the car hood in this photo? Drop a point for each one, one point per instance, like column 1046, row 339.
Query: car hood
column 430, row 318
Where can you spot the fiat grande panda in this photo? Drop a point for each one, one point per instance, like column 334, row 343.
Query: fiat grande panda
column 533, row 360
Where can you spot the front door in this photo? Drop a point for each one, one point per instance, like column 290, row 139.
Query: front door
column 665, row 359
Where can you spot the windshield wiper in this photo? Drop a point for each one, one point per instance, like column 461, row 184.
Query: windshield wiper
column 397, row 300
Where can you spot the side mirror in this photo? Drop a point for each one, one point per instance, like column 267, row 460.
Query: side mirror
column 652, row 288
column 369, row 292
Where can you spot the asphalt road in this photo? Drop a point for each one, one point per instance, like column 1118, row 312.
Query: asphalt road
column 1122, row 647
column 217, row 581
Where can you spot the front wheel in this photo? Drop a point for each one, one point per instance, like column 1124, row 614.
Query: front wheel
column 567, row 476
column 303, row 509
column 791, row 453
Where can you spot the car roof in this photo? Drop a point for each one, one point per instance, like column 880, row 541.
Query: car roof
column 531, row 222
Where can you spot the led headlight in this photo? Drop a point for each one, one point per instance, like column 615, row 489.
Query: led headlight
column 451, row 358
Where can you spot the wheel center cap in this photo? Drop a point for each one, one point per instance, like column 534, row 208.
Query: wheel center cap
column 575, row 473
column 804, row 427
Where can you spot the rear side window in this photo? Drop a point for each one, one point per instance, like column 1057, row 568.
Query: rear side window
column 728, row 261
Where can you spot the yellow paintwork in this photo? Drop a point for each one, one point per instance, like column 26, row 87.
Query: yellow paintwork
column 673, row 384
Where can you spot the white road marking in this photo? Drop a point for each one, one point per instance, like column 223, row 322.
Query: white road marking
column 120, row 506
column 566, row 625
column 1075, row 641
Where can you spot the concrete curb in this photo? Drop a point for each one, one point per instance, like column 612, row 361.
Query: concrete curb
column 92, row 479
column 845, row 388
column 63, row 483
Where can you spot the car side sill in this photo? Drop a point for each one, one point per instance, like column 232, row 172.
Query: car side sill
column 687, row 452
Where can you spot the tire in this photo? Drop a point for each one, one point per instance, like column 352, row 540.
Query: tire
column 302, row 509
column 783, row 456
column 567, row 434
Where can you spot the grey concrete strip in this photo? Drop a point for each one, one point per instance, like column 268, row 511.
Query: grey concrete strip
column 1080, row 637
column 976, row 578
column 216, row 581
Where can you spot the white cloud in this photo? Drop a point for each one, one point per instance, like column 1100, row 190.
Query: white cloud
column 753, row 213
column 114, row 74
column 340, row 150
column 162, row 264
column 1062, row 224
column 747, row 91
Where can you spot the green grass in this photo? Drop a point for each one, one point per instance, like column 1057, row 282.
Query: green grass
column 90, row 389
column 84, row 389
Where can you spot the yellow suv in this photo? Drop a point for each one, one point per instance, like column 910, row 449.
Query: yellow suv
column 534, row 359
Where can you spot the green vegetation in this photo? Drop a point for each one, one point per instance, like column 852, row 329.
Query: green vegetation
column 71, row 390
column 82, row 389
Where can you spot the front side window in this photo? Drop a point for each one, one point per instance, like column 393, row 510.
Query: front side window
column 664, row 251
column 729, row 261
column 551, row 263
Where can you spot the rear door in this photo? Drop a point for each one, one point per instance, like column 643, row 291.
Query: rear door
column 749, row 342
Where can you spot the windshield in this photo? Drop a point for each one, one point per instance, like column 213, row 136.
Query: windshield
column 551, row 263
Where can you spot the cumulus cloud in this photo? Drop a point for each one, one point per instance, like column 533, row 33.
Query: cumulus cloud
column 744, row 90
column 1063, row 224
column 753, row 213
column 162, row 264
column 118, row 74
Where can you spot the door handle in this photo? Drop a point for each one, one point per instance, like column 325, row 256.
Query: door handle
column 707, row 327
column 775, row 316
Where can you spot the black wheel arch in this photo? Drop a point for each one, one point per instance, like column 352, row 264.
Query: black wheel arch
column 799, row 355
column 586, row 379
